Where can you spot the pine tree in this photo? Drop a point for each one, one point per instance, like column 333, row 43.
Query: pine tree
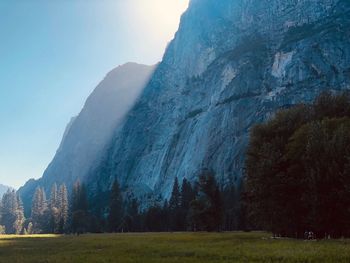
column 12, row 215
column 54, row 196
column 231, row 208
column 54, row 210
column 174, row 207
column 116, row 214
column 166, row 216
column 80, row 216
column 206, row 209
column 8, row 216
column 175, row 199
column 63, row 205
column 187, row 196
column 40, row 212
column 20, row 219
column 79, row 197
column 132, row 218
column 153, row 219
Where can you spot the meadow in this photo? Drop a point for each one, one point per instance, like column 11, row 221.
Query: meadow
column 168, row 248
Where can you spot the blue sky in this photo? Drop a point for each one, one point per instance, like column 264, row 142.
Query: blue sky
column 53, row 53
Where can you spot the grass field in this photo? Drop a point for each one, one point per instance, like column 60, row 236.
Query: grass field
column 169, row 247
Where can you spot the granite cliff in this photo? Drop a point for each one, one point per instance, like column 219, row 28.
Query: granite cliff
column 232, row 64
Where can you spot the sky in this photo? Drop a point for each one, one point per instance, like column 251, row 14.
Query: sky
column 52, row 55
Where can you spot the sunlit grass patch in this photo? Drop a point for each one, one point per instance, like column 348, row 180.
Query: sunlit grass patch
column 28, row 236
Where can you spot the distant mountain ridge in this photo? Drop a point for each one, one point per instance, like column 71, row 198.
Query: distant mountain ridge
column 3, row 189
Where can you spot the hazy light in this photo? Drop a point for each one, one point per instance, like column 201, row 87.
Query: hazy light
column 160, row 15
column 55, row 53
column 152, row 22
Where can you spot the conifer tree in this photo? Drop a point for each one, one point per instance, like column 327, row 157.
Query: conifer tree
column 64, row 208
column 116, row 214
column 231, row 208
column 206, row 209
column 54, row 196
column 175, row 199
column 40, row 211
column 79, row 209
column 174, row 207
column 20, row 219
column 54, row 210
column 8, row 217
column 187, row 196
column 12, row 215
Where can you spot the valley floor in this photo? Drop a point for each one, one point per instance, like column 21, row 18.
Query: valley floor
column 168, row 248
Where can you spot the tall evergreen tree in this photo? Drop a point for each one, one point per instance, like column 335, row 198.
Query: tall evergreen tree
column 40, row 212
column 20, row 219
column 80, row 216
column 12, row 215
column 63, row 205
column 206, row 209
column 54, row 210
column 230, row 207
column 187, row 196
column 116, row 213
column 153, row 219
column 175, row 207
column 133, row 220
column 54, row 196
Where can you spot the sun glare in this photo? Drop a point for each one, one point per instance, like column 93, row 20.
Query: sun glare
column 159, row 17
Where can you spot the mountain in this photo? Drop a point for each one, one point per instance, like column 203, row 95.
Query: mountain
column 3, row 189
column 87, row 135
column 232, row 64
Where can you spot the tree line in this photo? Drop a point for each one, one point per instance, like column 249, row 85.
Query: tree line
column 201, row 206
column 47, row 216
column 298, row 170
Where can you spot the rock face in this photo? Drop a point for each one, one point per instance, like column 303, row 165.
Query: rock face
column 87, row 135
column 232, row 64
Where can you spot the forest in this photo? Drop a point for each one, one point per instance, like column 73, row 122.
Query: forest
column 203, row 206
column 297, row 174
